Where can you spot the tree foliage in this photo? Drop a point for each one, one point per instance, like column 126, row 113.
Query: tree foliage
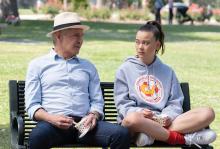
column 8, row 7
column 79, row 4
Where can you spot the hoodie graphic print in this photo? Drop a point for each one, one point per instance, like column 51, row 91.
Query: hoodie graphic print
column 149, row 88
column 139, row 86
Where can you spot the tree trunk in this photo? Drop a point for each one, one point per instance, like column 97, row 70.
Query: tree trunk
column 144, row 4
column 99, row 4
column 8, row 7
column 65, row 4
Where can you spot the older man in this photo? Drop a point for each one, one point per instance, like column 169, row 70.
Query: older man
column 62, row 88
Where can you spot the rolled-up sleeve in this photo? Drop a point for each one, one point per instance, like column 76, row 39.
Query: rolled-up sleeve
column 32, row 90
column 95, row 93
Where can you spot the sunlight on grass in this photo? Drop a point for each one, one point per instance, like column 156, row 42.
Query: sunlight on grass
column 25, row 11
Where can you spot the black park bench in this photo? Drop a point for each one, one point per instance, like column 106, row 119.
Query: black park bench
column 21, row 125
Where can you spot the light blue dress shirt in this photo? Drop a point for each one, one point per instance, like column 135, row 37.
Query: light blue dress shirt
column 59, row 86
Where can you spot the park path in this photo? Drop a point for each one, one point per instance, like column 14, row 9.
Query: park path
column 48, row 17
column 164, row 22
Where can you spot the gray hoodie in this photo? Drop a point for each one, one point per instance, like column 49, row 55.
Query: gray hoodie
column 139, row 86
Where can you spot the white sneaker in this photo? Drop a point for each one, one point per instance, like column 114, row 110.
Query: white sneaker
column 205, row 136
column 144, row 139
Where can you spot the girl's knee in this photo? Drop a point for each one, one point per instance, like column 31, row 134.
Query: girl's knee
column 206, row 114
column 132, row 119
column 209, row 114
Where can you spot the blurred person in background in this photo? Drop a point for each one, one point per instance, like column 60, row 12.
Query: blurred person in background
column 170, row 19
column 158, row 4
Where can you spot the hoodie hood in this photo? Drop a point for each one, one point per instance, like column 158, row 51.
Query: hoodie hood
column 135, row 60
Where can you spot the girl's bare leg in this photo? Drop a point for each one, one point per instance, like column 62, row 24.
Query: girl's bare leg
column 136, row 122
column 193, row 120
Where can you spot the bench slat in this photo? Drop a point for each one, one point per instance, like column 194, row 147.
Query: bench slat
column 17, row 105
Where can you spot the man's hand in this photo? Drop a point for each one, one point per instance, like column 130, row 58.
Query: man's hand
column 61, row 121
column 91, row 119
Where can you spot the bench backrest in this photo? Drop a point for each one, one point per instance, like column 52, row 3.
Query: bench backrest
column 17, row 104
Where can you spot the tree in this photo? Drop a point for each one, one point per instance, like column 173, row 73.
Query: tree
column 65, row 3
column 99, row 3
column 8, row 7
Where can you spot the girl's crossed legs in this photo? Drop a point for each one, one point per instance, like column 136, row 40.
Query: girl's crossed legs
column 188, row 122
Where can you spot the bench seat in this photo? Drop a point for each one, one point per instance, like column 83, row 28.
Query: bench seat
column 21, row 125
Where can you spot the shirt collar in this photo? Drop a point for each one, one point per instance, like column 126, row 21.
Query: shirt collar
column 55, row 56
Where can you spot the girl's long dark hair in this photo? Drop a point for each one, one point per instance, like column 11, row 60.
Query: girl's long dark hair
column 156, row 29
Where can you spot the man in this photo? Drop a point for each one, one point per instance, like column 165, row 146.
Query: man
column 62, row 88
column 158, row 4
column 170, row 3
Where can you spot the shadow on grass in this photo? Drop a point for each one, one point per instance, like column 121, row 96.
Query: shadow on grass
column 35, row 31
column 4, row 137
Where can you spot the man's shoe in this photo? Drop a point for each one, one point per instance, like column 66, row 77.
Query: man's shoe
column 205, row 136
column 144, row 139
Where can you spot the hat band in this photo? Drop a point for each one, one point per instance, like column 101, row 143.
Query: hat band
column 65, row 25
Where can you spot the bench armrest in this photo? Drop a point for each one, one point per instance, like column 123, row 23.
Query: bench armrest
column 17, row 131
column 16, row 120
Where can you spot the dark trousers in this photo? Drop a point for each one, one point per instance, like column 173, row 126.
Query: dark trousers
column 157, row 15
column 105, row 134
column 183, row 16
column 170, row 15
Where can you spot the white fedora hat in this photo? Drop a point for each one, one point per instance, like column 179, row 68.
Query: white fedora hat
column 67, row 20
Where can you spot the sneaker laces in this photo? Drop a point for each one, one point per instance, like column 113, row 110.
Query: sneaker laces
column 190, row 137
column 144, row 139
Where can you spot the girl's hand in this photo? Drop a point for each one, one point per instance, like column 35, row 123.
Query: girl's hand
column 147, row 113
column 167, row 121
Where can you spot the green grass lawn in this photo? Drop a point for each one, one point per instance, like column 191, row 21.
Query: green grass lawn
column 192, row 51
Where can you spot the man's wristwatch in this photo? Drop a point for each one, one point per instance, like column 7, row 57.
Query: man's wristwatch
column 96, row 114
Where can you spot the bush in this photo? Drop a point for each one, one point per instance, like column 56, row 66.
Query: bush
column 198, row 16
column 127, row 14
column 217, row 18
column 52, row 7
column 103, row 13
column 50, row 10
column 79, row 4
column 216, row 14
column 34, row 10
column 165, row 15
